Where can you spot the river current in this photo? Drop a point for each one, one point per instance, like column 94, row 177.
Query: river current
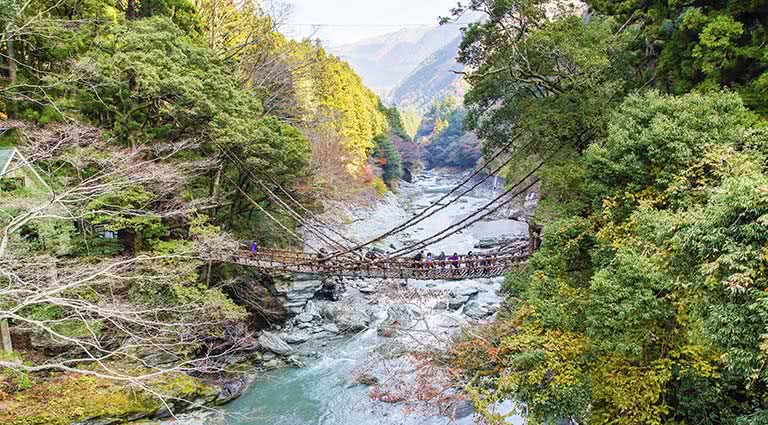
column 323, row 392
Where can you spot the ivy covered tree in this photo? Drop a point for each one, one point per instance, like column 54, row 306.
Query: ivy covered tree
column 702, row 45
column 644, row 304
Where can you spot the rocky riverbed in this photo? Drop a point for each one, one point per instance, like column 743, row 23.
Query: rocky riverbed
column 325, row 361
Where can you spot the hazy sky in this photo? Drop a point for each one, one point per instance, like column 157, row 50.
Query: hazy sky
column 353, row 20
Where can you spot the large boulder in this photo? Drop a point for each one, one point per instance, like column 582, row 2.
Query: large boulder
column 478, row 310
column 231, row 390
column 346, row 318
column 305, row 317
column 296, row 290
column 274, row 344
column 455, row 302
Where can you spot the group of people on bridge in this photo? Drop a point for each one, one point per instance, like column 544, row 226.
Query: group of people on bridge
column 377, row 262
column 470, row 260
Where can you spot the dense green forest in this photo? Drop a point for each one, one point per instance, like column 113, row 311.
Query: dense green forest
column 647, row 301
column 158, row 130
column 444, row 139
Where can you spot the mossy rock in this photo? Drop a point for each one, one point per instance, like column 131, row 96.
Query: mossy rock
column 76, row 398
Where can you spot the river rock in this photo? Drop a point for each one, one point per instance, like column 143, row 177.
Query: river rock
column 294, row 361
column 477, row 310
column 446, row 321
column 367, row 290
column 470, row 291
column 403, row 312
column 312, row 308
column 462, row 409
column 347, row 318
column 274, row 364
column 274, row 344
column 331, row 327
column 231, row 390
column 305, row 317
column 295, row 337
column 296, row 290
column 486, row 243
column 455, row 302
column 158, row 358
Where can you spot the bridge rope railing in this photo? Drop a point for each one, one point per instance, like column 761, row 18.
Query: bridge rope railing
column 462, row 267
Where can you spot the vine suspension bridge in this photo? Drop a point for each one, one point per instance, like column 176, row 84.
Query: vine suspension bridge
column 351, row 259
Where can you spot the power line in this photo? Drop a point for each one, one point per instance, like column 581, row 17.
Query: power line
column 422, row 215
column 291, row 212
column 372, row 25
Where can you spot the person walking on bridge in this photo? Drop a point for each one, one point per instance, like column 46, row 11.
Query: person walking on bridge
column 454, row 259
column 441, row 260
column 254, row 247
column 417, row 259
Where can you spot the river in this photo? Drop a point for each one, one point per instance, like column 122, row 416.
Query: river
column 323, row 392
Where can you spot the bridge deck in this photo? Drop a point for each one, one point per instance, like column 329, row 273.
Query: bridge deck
column 287, row 261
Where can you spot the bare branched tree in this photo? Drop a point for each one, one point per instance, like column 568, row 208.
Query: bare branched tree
column 115, row 316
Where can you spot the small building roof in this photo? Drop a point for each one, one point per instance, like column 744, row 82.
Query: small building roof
column 6, row 155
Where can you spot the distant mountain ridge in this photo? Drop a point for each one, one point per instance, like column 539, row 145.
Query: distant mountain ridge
column 385, row 60
column 437, row 77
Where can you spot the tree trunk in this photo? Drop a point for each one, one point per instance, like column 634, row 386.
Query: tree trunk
column 11, row 58
column 5, row 332
column 130, row 11
column 534, row 237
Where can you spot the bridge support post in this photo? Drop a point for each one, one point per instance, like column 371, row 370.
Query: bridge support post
column 5, row 336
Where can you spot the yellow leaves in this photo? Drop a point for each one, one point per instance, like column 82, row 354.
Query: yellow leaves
column 696, row 358
column 626, row 394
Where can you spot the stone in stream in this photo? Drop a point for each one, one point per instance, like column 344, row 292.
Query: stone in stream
column 295, row 361
column 440, row 305
column 462, row 409
column 296, row 290
column 446, row 321
column 455, row 302
column 347, row 318
column 477, row 310
column 305, row 317
column 367, row 290
column 470, row 291
column 295, row 338
column 231, row 390
column 330, row 327
column 274, row 344
column 312, row 308
column 274, row 364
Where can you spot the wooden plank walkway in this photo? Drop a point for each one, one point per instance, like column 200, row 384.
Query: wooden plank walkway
column 287, row 261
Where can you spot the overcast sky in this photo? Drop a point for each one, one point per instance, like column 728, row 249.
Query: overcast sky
column 352, row 20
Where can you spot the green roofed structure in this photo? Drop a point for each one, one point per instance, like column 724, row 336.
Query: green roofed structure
column 16, row 172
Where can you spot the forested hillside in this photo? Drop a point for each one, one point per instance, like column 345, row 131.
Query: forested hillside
column 444, row 140
column 646, row 124
column 385, row 60
column 136, row 137
column 437, row 77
